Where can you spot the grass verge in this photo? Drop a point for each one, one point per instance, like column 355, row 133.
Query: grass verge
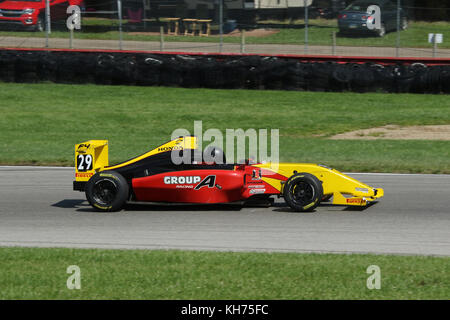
column 34, row 273
column 41, row 123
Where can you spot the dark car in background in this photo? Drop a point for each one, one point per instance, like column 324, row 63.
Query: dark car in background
column 328, row 9
column 354, row 18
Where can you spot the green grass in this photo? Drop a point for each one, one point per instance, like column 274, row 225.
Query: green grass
column 27, row 273
column 41, row 123
column 320, row 30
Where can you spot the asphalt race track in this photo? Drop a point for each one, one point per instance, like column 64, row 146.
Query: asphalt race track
column 39, row 208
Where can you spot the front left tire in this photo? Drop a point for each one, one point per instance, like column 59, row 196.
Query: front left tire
column 303, row 192
column 107, row 191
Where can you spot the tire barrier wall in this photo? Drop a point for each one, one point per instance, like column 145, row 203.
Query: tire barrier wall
column 230, row 72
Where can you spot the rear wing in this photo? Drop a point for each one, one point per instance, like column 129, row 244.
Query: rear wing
column 90, row 157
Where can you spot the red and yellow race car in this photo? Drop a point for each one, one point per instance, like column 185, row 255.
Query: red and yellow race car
column 153, row 177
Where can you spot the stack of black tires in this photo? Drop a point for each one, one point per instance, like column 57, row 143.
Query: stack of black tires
column 229, row 72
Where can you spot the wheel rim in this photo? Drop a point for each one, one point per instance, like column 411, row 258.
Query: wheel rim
column 303, row 193
column 104, row 192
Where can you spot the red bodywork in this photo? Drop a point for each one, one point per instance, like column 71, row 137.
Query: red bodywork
column 203, row 186
column 12, row 11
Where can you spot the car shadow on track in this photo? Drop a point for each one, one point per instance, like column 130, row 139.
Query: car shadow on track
column 71, row 204
column 356, row 208
column 282, row 207
column 83, row 206
column 181, row 207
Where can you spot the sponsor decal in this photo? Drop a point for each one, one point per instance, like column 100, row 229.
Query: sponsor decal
column 102, row 208
column 184, row 186
column 310, row 205
column 209, row 181
column 256, row 186
column 257, row 191
column 355, row 201
column 365, row 190
column 84, row 145
column 107, row 175
column 187, row 182
column 256, row 175
column 182, row 179
column 164, row 149
column 83, row 174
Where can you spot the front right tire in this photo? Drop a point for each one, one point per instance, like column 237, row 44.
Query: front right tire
column 107, row 191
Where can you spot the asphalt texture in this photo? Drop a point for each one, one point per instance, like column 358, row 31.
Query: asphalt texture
column 39, row 209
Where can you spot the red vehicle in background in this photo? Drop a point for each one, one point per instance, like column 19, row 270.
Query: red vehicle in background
column 30, row 14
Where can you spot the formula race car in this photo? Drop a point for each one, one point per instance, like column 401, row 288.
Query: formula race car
column 153, row 177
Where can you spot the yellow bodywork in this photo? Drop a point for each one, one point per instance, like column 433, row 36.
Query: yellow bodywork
column 344, row 189
column 177, row 144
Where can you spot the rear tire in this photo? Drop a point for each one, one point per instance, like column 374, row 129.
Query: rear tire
column 107, row 191
column 303, row 192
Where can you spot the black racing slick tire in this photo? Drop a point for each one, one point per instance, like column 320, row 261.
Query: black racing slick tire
column 303, row 192
column 107, row 191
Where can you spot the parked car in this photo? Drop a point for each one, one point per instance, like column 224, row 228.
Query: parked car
column 30, row 14
column 354, row 18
